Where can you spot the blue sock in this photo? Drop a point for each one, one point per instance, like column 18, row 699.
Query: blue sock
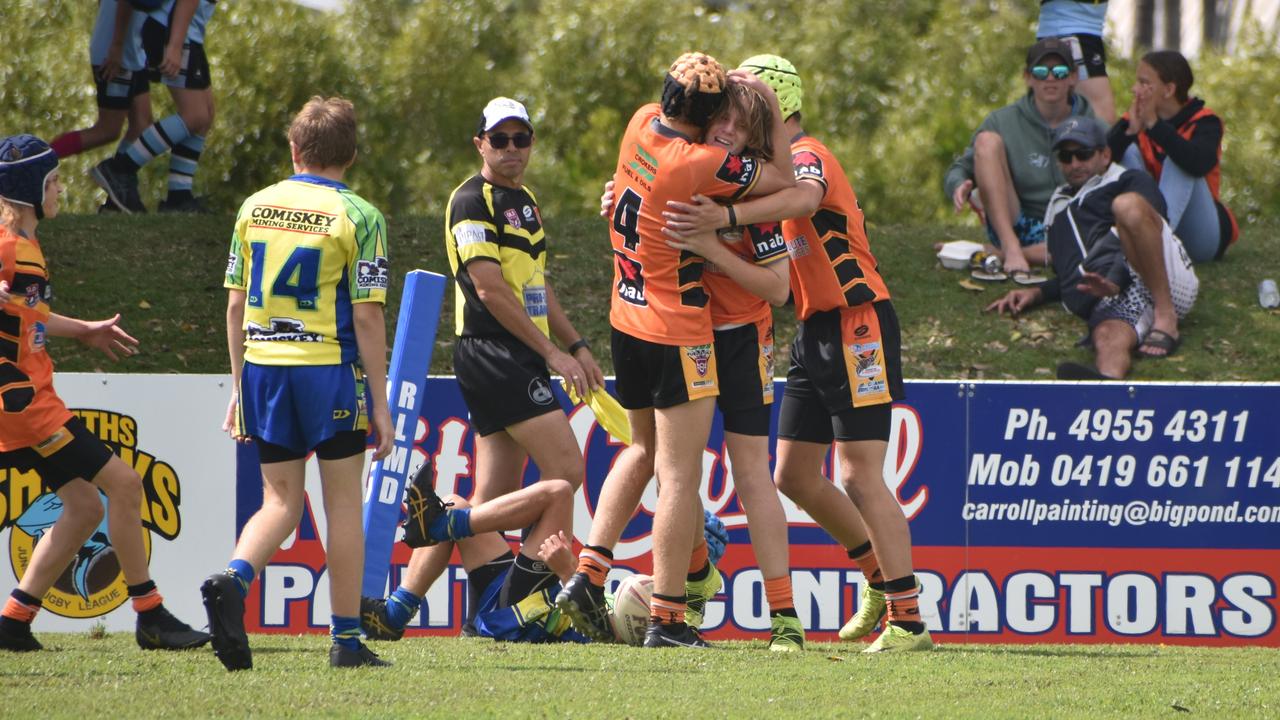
column 345, row 631
column 453, row 524
column 243, row 573
column 157, row 139
column 401, row 605
column 183, row 162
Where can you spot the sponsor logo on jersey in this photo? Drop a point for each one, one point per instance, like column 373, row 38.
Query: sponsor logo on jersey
column 372, row 274
column 528, row 213
column 767, row 239
column 291, row 219
column 865, row 356
column 630, row 280
column 93, row 584
column 701, row 357
column 540, row 391
column 798, row 247
column 282, row 329
column 233, row 261
column 737, row 169
column 513, row 217
column 32, row 295
column 807, row 164
column 468, row 234
column 39, row 334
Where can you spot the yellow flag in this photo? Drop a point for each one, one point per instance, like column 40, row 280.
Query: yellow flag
column 609, row 414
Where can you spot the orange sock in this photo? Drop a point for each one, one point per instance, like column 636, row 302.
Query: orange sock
column 904, row 607
column 595, row 563
column 777, row 591
column 149, row 601
column 667, row 610
column 868, row 563
column 20, row 611
column 698, row 560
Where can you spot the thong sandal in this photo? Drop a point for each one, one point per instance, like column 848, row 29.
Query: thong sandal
column 1026, row 277
column 1161, row 340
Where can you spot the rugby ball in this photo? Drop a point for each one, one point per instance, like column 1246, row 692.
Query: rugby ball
column 630, row 615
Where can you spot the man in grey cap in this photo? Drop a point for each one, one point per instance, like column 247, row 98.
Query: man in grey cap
column 1118, row 264
column 1009, row 161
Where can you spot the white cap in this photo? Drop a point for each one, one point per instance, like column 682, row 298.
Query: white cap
column 501, row 109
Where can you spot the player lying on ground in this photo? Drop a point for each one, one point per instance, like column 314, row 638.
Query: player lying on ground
column 39, row 433
column 513, row 601
column 745, row 267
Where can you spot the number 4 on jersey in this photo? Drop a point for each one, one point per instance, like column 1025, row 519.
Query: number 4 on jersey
column 298, row 277
column 626, row 218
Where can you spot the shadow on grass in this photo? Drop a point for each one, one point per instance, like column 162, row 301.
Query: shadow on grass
column 1084, row 651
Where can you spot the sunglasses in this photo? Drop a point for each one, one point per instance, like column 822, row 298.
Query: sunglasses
column 499, row 140
column 1080, row 154
column 1042, row 72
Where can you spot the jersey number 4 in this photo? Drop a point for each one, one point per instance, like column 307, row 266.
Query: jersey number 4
column 626, row 217
column 298, row 277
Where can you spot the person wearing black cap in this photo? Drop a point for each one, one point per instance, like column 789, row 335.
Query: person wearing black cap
column 1009, row 161
column 38, row 432
column 1118, row 264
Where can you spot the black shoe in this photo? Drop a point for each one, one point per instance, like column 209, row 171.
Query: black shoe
column 225, row 606
column 424, row 507
column 677, row 635
column 158, row 629
column 16, row 636
column 1075, row 371
column 121, row 187
column 341, row 656
column 469, row 630
column 184, row 204
column 374, row 621
column 583, row 602
column 107, row 207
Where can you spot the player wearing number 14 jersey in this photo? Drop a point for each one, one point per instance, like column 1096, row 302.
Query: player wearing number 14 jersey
column 307, row 278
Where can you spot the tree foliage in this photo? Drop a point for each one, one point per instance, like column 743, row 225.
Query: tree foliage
column 895, row 88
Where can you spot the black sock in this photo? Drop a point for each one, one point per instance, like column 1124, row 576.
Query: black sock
column 859, row 551
column 785, row 612
column 698, row 575
column 141, row 588
column 177, row 195
column 526, row 577
column 26, row 599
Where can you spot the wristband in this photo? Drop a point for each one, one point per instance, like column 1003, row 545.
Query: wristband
column 580, row 344
column 733, row 216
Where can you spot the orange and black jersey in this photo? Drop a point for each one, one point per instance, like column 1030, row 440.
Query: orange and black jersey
column 658, row 291
column 489, row 222
column 30, row 411
column 831, row 261
column 731, row 304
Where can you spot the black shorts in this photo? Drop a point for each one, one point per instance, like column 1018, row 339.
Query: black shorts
column 843, row 362
column 338, row 447
column 118, row 92
column 193, row 74
column 1088, row 52
column 502, row 381
column 650, row 375
column 744, row 358
column 70, row 453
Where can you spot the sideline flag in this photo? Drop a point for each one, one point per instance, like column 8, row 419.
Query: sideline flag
column 406, row 385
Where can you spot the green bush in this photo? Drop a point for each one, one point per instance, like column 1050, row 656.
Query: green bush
column 895, row 89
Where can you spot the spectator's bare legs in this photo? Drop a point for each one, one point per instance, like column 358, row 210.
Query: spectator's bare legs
column 799, row 476
column 1140, row 229
column 991, row 172
column 1097, row 90
column 766, row 520
column 1113, row 342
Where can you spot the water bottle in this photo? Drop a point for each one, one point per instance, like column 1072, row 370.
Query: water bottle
column 1268, row 296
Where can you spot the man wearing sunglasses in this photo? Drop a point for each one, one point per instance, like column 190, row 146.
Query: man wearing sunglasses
column 1010, row 162
column 506, row 315
column 1118, row 264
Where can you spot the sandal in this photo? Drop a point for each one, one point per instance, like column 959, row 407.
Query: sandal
column 1075, row 371
column 1027, row 277
column 1161, row 340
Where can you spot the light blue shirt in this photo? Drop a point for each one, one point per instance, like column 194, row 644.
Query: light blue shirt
column 1068, row 17
column 103, row 29
column 199, row 21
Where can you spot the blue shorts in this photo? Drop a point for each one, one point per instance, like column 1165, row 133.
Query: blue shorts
column 300, row 406
column 1029, row 230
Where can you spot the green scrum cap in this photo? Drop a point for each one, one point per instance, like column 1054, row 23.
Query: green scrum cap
column 779, row 74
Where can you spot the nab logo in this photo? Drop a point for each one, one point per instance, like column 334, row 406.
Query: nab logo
column 630, row 280
column 737, row 169
column 341, row 414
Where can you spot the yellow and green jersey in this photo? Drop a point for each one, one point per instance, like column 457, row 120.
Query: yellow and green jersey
column 493, row 223
column 304, row 251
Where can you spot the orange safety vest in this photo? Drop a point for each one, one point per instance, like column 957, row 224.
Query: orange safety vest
column 1153, row 158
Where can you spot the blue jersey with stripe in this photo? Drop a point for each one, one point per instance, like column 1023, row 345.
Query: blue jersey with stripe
column 199, row 21
column 104, row 29
column 304, row 251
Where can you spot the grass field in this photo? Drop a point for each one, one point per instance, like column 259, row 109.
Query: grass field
column 164, row 274
column 456, row 678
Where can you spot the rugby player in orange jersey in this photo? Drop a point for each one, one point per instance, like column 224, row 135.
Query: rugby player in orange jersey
column 38, row 432
column 747, row 269
column 846, row 369
column 662, row 330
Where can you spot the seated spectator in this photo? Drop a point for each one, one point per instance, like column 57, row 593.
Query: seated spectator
column 1010, row 159
column 1179, row 141
column 1080, row 25
column 1119, row 266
